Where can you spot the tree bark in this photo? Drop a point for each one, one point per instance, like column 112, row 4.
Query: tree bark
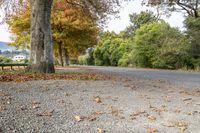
column 66, row 57
column 60, row 54
column 41, row 56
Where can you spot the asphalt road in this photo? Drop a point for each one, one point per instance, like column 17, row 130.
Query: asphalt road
column 180, row 78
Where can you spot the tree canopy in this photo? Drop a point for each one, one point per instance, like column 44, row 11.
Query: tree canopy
column 41, row 58
column 191, row 7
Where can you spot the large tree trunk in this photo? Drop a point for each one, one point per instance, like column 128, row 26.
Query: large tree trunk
column 41, row 57
column 60, row 54
column 66, row 57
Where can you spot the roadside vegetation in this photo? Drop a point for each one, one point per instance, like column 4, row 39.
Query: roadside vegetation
column 148, row 42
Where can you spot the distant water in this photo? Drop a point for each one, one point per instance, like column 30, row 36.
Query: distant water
column 4, row 47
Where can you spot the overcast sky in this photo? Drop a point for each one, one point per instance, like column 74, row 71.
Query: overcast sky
column 118, row 24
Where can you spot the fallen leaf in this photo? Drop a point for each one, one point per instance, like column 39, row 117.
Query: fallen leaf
column 176, row 110
column 168, row 124
column 134, row 114
column 4, row 94
column 115, row 111
column 19, row 90
column 159, row 109
column 78, row 118
column 67, row 94
column 2, row 108
column 181, row 125
column 99, row 130
column 21, row 108
column 97, row 99
column 151, row 130
column 35, row 102
column 187, row 99
column 152, row 118
column 35, row 106
column 167, row 98
column 48, row 113
column 189, row 113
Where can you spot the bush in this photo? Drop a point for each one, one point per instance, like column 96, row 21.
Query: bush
column 157, row 45
column 196, row 63
column 127, row 60
column 86, row 59
column 4, row 59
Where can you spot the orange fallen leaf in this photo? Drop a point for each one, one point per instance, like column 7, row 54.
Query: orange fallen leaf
column 151, row 130
column 97, row 99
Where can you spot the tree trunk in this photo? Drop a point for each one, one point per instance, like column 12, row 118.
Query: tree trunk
column 41, row 56
column 60, row 54
column 66, row 57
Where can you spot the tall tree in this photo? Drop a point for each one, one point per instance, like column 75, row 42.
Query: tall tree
column 137, row 20
column 41, row 59
column 72, row 31
column 189, row 6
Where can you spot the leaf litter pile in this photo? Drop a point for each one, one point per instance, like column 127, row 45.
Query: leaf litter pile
column 21, row 77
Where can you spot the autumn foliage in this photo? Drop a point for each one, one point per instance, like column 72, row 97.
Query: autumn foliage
column 21, row 77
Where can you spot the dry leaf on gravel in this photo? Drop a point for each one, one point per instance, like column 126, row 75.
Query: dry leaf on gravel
column 189, row 113
column 151, row 118
column 94, row 116
column 113, row 98
column 48, row 113
column 79, row 118
column 21, row 108
column 151, row 130
column 179, row 124
column 20, row 90
column 134, row 114
column 137, row 113
column 168, row 124
column 35, row 106
column 99, row 130
column 67, row 94
column 35, row 102
column 2, row 108
column 97, row 99
column 176, row 110
column 4, row 94
column 187, row 99
column 191, row 93
column 115, row 111
column 160, row 109
column 167, row 98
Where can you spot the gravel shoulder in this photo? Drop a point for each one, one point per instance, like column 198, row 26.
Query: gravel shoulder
column 121, row 105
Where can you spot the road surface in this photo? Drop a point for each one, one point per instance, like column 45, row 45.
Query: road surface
column 136, row 101
column 181, row 78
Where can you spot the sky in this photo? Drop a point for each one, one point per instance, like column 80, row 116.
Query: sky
column 116, row 24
